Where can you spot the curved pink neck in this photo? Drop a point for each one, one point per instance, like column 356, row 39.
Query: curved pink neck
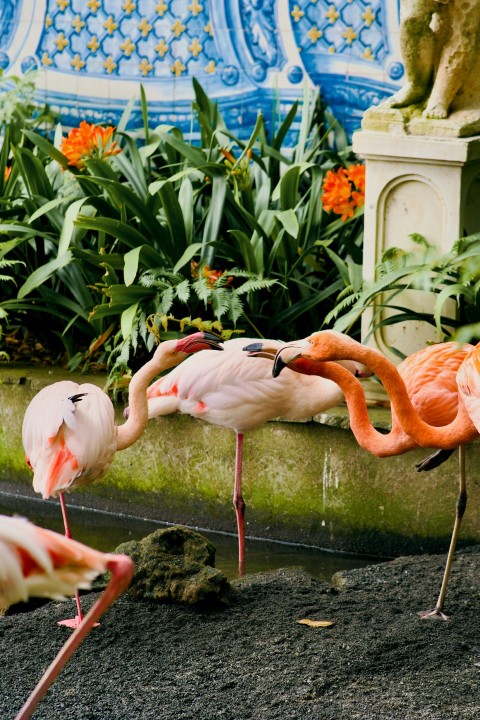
column 395, row 442
column 460, row 431
column 133, row 428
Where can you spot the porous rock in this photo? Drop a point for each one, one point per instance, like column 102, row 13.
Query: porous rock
column 176, row 565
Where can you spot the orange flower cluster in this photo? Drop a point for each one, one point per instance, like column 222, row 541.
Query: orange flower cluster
column 344, row 190
column 88, row 141
column 8, row 170
column 212, row 276
column 238, row 171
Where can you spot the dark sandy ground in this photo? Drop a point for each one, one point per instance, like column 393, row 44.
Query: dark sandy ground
column 253, row 660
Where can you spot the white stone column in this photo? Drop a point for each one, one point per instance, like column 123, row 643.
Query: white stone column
column 415, row 184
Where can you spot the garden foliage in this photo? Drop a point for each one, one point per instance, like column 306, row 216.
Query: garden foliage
column 111, row 236
column 452, row 276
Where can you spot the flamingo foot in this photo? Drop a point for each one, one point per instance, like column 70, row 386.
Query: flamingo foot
column 71, row 622
column 74, row 622
column 435, row 614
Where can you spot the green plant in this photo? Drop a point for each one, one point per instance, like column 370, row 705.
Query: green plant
column 454, row 275
column 229, row 232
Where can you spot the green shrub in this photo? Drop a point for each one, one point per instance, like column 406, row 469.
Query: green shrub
column 454, row 275
column 226, row 234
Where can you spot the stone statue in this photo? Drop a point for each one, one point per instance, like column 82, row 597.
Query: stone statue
column 440, row 44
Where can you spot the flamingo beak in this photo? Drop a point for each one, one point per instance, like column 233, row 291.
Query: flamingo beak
column 284, row 357
column 199, row 341
column 261, row 350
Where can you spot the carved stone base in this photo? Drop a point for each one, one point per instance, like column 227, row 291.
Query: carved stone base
column 426, row 185
column 410, row 121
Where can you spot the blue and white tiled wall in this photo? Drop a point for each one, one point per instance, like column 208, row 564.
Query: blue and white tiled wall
column 247, row 54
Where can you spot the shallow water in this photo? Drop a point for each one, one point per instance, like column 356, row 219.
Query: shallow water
column 105, row 531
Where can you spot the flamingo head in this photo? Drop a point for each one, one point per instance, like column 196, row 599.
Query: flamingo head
column 298, row 356
column 198, row 341
column 171, row 353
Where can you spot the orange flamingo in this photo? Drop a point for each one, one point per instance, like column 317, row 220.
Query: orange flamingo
column 427, row 410
column 40, row 563
column 231, row 390
column 69, row 432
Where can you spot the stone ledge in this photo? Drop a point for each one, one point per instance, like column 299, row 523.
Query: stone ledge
column 303, row 482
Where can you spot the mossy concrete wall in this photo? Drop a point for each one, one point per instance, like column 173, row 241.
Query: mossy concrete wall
column 303, row 482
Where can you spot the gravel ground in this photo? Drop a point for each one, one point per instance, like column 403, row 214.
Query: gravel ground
column 254, row 660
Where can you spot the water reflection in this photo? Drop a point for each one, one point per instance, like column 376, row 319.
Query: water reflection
column 105, row 531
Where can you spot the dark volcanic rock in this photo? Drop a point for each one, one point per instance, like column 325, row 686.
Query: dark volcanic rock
column 176, row 565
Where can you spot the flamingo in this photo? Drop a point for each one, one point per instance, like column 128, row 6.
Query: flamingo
column 428, row 406
column 35, row 562
column 233, row 391
column 69, row 432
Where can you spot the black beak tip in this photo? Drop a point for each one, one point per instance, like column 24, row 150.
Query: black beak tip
column 278, row 366
column 214, row 340
column 253, row 347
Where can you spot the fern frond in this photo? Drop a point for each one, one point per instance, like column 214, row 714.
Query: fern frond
column 236, row 308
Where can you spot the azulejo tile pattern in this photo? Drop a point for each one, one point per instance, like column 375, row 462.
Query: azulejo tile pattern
column 248, row 54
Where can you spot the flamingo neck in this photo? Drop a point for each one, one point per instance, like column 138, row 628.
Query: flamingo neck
column 395, row 442
column 460, row 431
column 137, row 420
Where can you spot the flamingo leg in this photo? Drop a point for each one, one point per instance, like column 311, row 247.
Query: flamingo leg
column 121, row 569
column 239, row 504
column 71, row 622
column 437, row 611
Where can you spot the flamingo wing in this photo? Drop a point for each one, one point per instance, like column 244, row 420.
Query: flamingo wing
column 468, row 379
column 430, row 377
column 236, row 391
column 40, row 563
column 69, row 436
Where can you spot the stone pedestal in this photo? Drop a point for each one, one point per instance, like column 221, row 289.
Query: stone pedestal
column 426, row 185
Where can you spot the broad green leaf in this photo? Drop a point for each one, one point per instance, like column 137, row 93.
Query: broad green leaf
column 50, row 206
column 146, row 151
column 195, row 155
column 143, row 104
column 285, row 127
column 185, row 199
column 132, row 167
column 287, row 189
column 33, row 174
column 214, row 217
column 9, row 245
column 68, row 228
column 126, row 320
column 247, row 250
column 174, row 215
column 289, row 221
column 43, row 273
column 127, row 234
column 123, row 122
column 292, row 313
column 154, row 187
column 125, row 197
column 189, row 253
column 43, row 144
column 120, row 294
column 131, row 265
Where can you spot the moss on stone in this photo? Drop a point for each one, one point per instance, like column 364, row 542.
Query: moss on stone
column 303, row 482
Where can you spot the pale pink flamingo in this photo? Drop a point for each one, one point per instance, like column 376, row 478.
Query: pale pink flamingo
column 69, row 432
column 236, row 392
column 427, row 408
column 40, row 563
